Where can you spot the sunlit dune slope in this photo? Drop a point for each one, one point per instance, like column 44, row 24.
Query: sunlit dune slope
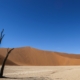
column 32, row 56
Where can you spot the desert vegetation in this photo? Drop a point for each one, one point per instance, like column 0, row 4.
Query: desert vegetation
column 8, row 52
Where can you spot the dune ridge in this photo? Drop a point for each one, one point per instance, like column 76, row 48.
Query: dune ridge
column 30, row 56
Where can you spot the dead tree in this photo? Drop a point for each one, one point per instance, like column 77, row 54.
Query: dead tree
column 1, row 36
column 8, row 52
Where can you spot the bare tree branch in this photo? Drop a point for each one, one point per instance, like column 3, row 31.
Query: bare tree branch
column 5, row 59
column 1, row 36
column 3, row 65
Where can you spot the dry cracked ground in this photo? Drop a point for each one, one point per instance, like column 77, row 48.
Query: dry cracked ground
column 41, row 73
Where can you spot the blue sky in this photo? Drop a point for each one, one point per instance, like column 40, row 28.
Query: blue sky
column 52, row 25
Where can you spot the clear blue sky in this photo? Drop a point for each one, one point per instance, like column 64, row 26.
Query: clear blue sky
column 52, row 25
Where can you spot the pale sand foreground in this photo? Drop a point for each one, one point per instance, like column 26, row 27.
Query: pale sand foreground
column 42, row 73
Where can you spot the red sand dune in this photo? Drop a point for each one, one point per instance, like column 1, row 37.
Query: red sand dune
column 32, row 56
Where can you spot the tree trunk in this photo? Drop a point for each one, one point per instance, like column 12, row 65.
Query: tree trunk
column 2, row 67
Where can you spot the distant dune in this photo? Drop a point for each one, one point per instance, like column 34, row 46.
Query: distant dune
column 35, row 57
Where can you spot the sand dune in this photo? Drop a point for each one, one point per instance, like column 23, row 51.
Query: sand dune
column 32, row 56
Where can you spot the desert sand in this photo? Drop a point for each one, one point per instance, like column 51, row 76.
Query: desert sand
column 34, row 57
column 33, row 64
column 42, row 73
